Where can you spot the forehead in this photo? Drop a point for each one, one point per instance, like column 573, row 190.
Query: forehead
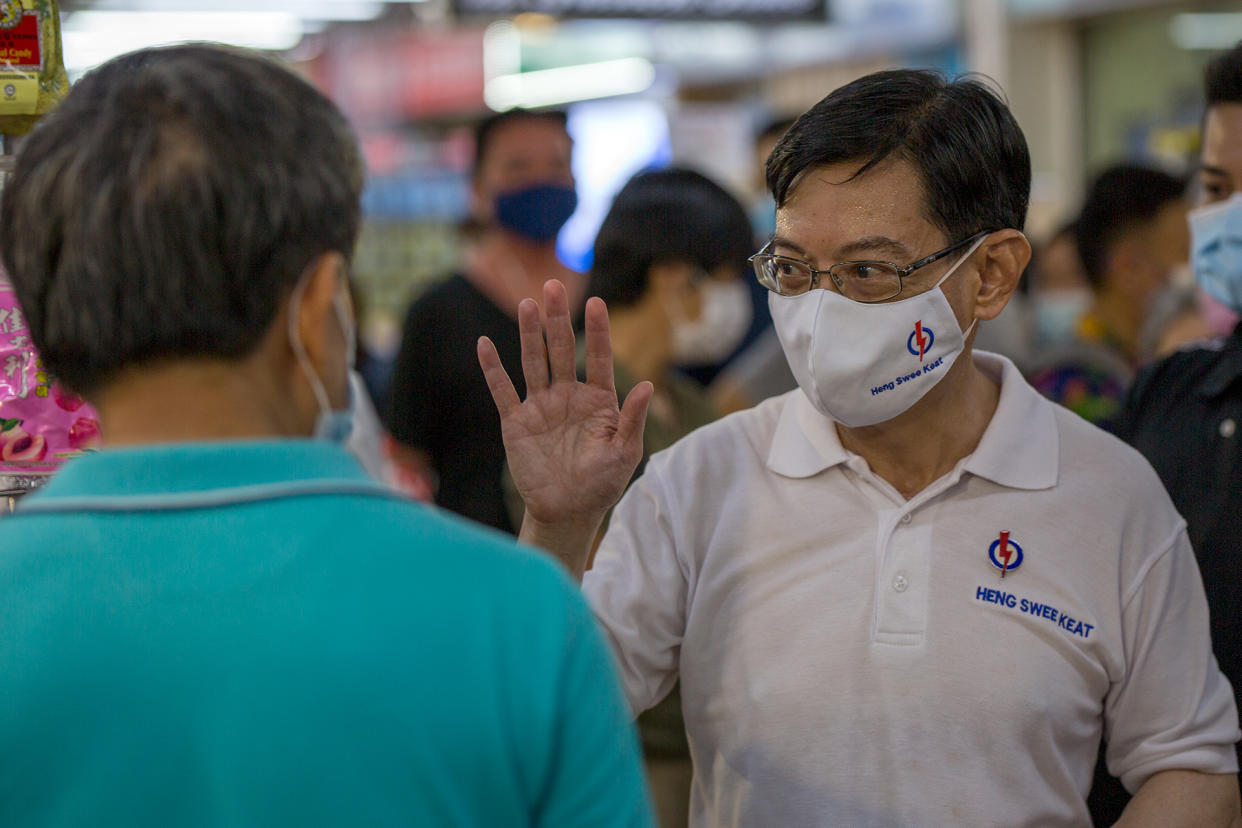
column 830, row 209
column 1222, row 139
column 527, row 136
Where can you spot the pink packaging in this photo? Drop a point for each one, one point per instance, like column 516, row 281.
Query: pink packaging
column 41, row 423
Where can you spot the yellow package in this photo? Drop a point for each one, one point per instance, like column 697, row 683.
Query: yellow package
column 32, row 67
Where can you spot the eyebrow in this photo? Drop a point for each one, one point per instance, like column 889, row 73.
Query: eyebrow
column 867, row 244
column 1210, row 170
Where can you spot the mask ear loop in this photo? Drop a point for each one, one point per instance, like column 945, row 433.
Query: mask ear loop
column 970, row 252
column 299, row 351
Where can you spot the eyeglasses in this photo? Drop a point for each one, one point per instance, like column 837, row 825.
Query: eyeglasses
column 861, row 281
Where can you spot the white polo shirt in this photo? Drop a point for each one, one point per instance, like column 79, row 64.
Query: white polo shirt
column 849, row 657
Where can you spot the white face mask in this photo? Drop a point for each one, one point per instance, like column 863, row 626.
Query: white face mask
column 332, row 425
column 864, row 364
column 724, row 319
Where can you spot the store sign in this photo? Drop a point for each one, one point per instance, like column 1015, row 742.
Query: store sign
column 758, row 10
column 397, row 76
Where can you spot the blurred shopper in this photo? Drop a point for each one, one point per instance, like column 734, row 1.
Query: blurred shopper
column 1132, row 238
column 911, row 592
column 1060, row 293
column 1185, row 413
column 522, row 193
column 217, row 620
column 759, row 370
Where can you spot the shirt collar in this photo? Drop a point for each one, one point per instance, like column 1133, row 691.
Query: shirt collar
column 198, row 467
column 1227, row 370
column 1019, row 448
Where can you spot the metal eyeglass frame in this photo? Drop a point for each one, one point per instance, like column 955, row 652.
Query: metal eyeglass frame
column 760, row 260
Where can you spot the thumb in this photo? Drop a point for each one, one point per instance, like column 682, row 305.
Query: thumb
column 634, row 413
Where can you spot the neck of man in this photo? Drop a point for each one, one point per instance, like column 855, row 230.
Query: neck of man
column 196, row 401
column 918, row 447
column 1121, row 314
column 508, row 268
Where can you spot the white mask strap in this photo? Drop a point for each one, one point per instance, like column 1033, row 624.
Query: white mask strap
column 958, row 263
column 299, row 351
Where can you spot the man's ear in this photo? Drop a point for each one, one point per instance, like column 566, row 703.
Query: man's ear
column 1005, row 255
column 316, row 314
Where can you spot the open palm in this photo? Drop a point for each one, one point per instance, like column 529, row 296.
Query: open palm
column 571, row 448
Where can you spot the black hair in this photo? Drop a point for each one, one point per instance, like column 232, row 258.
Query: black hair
column 169, row 204
column 485, row 129
column 774, row 128
column 1222, row 78
column 959, row 135
column 672, row 215
column 1120, row 199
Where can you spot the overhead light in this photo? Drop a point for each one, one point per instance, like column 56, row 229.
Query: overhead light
column 1206, row 31
column 584, row 82
column 93, row 37
column 344, row 10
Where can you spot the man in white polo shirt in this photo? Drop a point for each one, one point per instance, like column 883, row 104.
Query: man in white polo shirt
column 912, row 591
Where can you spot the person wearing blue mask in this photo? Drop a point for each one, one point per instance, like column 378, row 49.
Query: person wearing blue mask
column 522, row 193
column 219, row 618
column 1184, row 413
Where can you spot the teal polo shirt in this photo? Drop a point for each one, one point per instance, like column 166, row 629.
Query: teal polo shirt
column 255, row 634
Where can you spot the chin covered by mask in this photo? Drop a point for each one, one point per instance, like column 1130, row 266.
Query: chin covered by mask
column 1057, row 313
column 538, row 212
column 1216, row 250
column 725, row 317
column 863, row 364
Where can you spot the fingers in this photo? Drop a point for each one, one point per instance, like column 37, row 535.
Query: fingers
column 560, row 332
column 634, row 414
column 598, row 346
column 534, row 357
column 503, row 393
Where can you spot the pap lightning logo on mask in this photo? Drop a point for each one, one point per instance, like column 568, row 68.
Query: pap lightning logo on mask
column 920, row 340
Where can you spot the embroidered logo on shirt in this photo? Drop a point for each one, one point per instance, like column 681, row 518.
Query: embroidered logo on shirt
column 1005, row 553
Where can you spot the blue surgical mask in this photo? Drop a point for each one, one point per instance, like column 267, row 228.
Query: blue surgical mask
column 332, row 425
column 1216, row 250
column 1057, row 313
column 537, row 213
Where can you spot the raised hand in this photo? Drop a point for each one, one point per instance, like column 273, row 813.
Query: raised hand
column 571, row 449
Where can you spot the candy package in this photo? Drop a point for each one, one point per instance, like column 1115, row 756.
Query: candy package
column 41, row 423
column 32, row 67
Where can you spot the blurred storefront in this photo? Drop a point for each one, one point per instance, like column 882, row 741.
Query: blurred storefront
column 651, row 82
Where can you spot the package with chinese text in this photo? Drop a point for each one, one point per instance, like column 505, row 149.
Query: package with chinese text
column 41, row 423
column 32, row 67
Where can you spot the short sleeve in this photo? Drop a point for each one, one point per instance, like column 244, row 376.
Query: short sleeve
column 596, row 776
column 408, row 408
column 1173, row 710
column 637, row 589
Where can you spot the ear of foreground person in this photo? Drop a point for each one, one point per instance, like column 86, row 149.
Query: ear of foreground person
column 219, row 619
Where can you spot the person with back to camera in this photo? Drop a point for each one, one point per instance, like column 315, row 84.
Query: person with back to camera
column 522, row 193
column 1184, row 412
column 911, row 592
column 217, row 620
